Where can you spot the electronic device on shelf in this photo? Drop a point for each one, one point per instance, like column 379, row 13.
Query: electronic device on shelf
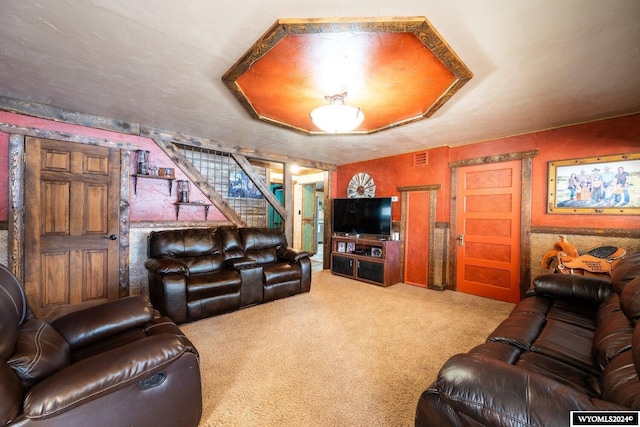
column 367, row 216
column 361, row 251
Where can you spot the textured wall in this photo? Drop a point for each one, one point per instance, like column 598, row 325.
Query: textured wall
column 541, row 243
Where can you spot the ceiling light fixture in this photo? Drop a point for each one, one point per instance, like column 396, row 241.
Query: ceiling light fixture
column 337, row 117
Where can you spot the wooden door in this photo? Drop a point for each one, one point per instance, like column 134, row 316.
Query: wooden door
column 309, row 218
column 416, row 266
column 71, row 225
column 488, row 223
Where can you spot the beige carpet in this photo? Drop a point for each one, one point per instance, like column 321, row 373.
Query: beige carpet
column 345, row 354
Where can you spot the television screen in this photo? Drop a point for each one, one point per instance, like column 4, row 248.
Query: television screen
column 362, row 216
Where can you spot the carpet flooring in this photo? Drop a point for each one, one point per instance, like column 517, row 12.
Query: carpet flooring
column 345, row 354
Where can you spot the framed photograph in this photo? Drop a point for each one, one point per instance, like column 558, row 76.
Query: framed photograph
column 351, row 247
column 377, row 252
column 596, row 185
column 341, row 246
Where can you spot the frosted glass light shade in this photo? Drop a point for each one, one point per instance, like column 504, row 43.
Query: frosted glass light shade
column 337, row 117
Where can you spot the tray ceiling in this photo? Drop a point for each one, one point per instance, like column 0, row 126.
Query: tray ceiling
column 536, row 65
column 396, row 71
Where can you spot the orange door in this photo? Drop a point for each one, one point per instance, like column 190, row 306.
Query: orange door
column 488, row 223
column 416, row 266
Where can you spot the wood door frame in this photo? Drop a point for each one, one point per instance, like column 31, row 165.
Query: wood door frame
column 17, row 167
column 431, row 255
column 525, row 211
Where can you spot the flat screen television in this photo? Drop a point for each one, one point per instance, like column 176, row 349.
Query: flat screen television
column 362, row 216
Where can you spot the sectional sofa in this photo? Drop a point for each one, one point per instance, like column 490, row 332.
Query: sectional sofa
column 573, row 344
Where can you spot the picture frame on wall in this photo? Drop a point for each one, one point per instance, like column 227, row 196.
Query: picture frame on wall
column 595, row 185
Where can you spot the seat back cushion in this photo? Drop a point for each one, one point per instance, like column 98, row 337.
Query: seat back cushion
column 40, row 352
column 204, row 264
column 12, row 394
column 620, row 383
column 188, row 242
column 231, row 242
column 625, row 271
column 13, row 311
column 612, row 336
column 630, row 299
column 262, row 244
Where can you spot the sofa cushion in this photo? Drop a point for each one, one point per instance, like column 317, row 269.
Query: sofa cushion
column 612, row 337
column 204, row 264
column 212, row 284
column 231, row 242
column 262, row 238
column 263, row 256
column 625, row 271
column 567, row 342
column 620, row 382
column 185, row 242
column 40, row 352
column 534, row 305
column 567, row 311
column 630, row 299
column 549, row 367
column 280, row 272
column 13, row 311
column 519, row 329
column 12, row 394
column 498, row 350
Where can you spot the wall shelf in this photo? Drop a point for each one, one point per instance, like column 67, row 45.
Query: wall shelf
column 204, row 205
column 138, row 175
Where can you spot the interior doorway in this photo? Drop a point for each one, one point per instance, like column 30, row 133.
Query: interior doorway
column 489, row 196
column 71, row 225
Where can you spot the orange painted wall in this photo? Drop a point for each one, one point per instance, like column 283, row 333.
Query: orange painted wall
column 613, row 136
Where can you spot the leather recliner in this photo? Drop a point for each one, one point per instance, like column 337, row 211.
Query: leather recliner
column 114, row 364
column 196, row 273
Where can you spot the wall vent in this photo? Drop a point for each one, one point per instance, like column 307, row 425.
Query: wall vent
column 420, row 159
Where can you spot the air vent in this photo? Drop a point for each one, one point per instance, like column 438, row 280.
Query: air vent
column 420, row 159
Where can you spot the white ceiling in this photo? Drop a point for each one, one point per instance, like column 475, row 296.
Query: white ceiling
column 537, row 64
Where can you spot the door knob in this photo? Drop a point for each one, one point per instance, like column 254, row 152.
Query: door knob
column 461, row 240
column 111, row 237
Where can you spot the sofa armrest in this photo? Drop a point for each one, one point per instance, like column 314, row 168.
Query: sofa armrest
column 83, row 327
column 496, row 393
column 291, row 255
column 572, row 286
column 240, row 263
column 102, row 374
column 166, row 266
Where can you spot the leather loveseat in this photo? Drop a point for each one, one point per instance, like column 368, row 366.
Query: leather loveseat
column 114, row 364
column 200, row 272
column 572, row 344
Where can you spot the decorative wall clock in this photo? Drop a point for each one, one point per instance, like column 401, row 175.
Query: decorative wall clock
column 361, row 186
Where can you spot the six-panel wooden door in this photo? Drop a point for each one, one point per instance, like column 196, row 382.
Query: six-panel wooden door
column 71, row 225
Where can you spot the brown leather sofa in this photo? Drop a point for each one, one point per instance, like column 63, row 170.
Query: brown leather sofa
column 115, row 364
column 196, row 273
column 573, row 344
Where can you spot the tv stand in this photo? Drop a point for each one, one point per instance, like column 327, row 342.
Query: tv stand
column 370, row 260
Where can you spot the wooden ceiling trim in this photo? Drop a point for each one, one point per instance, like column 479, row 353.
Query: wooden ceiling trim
column 279, row 84
column 210, row 144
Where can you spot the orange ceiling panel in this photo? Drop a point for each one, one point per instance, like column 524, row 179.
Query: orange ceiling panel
column 387, row 69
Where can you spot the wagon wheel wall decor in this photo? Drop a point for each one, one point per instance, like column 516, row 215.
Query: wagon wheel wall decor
column 361, row 186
